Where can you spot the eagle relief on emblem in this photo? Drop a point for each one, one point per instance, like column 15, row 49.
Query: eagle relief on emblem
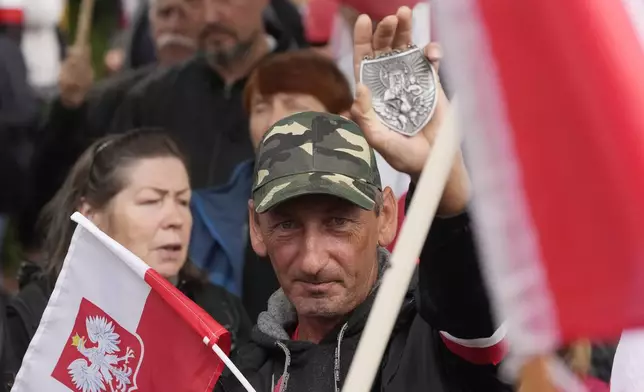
column 100, row 355
column 403, row 89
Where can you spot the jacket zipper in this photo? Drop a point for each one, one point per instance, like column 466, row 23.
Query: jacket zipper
column 336, row 368
column 287, row 363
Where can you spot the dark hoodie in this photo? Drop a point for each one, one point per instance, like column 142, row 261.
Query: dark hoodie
column 18, row 115
column 448, row 296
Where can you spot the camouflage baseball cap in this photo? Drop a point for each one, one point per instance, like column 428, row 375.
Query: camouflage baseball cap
column 315, row 153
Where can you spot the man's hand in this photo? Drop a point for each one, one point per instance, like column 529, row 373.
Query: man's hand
column 404, row 153
column 76, row 77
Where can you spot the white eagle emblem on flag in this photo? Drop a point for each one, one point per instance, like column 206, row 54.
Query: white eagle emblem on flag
column 101, row 367
column 100, row 354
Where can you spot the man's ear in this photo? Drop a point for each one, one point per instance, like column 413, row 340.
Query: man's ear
column 388, row 218
column 256, row 238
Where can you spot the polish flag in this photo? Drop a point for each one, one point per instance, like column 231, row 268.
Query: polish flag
column 551, row 105
column 112, row 323
column 11, row 12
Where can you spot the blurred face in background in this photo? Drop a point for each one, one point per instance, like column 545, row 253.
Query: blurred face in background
column 266, row 111
column 293, row 82
column 176, row 25
column 232, row 27
column 151, row 216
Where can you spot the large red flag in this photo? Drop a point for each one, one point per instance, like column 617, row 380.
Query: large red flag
column 552, row 94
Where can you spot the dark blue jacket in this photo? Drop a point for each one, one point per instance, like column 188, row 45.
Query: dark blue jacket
column 220, row 229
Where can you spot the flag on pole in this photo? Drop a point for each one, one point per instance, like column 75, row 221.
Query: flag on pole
column 552, row 99
column 112, row 323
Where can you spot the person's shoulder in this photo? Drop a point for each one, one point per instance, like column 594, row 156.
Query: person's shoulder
column 160, row 79
column 123, row 80
column 177, row 73
column 36, row 290
column 217, row 293
column 212, row 298
column 109, row 93
column 30, row 302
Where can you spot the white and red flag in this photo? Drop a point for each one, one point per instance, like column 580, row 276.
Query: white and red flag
column 551, row 99
column 114, row 324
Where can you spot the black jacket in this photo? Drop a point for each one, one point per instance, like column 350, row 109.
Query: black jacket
column 203, row 114
column 286, row 16
column 449, row 297
column 18, row 114
column 24, row 311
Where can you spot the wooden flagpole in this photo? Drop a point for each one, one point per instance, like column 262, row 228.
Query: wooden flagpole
column 395, row 283
column 84, row 25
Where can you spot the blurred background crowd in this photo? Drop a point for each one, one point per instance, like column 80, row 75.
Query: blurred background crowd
column 44, row 81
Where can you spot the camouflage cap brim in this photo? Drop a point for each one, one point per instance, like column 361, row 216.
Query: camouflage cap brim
column 285, row 188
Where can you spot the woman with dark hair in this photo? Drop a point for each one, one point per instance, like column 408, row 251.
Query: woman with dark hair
column 135, row 188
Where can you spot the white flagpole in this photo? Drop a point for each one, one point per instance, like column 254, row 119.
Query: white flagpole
column 231, row 366
column 395, row 283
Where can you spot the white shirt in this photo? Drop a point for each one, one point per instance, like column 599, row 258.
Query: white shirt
column 40, row 45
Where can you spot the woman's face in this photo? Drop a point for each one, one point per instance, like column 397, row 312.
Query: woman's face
column 266, row 111
column 151, row 215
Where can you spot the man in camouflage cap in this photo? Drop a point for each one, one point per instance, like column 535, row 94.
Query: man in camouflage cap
column 317, row 169
column 320, row 214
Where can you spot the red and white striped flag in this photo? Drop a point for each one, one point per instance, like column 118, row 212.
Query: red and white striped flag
column 113, row 323
column 552, row 111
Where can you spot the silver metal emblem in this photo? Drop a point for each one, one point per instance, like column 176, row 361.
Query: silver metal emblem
column 403, row 89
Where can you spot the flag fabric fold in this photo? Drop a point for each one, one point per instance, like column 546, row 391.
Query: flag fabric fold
column 113, row 323
column 552, row 98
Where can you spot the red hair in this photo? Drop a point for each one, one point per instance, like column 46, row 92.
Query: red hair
column 300, row 72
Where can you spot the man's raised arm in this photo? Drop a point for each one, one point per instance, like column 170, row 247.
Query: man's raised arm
column 453, row 298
